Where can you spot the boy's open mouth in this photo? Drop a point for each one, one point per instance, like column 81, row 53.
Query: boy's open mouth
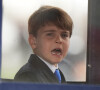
column 56, row 51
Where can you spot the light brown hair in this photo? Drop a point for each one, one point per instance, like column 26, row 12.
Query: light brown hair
column 49, row 14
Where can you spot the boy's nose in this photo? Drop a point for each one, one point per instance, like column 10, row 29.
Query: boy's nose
column 58, row 39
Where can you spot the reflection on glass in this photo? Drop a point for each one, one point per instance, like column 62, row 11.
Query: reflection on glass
column 15, row 47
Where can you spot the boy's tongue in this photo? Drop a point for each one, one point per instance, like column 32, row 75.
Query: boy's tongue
column 56, row 52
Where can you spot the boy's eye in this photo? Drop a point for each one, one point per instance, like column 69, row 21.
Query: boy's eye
column 49, row 34
column 64, row 35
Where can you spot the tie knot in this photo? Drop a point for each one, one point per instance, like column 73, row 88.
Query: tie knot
column 57, row 74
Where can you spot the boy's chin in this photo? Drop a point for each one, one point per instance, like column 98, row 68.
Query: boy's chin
column 56, row 61
column 57, row 57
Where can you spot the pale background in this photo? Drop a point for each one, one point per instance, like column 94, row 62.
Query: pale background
column 15, row 46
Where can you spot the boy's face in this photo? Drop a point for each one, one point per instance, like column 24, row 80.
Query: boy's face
column 51, row 43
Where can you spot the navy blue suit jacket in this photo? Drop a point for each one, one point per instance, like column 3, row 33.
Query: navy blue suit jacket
column 35, row 70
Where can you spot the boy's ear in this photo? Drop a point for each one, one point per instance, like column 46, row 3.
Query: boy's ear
column 32, row 41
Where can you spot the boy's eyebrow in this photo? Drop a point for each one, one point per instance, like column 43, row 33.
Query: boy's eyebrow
column 66, row 32
column 55, row 31
column 50, row 31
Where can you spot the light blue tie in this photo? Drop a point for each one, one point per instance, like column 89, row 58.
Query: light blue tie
column 57, row 73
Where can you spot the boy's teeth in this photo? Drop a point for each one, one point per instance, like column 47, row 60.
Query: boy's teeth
column 56, row 53
column 53, row 53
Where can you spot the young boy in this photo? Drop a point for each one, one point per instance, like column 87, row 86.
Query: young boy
column 50, row 29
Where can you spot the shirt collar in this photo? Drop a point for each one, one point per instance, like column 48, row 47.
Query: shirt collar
column 52, row 67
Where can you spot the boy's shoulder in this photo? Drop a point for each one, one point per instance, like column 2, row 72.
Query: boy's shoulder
column 30, row 66
column 33, row 66
column 28, row 70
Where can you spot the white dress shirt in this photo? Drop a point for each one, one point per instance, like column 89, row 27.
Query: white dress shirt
column 52, row 67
